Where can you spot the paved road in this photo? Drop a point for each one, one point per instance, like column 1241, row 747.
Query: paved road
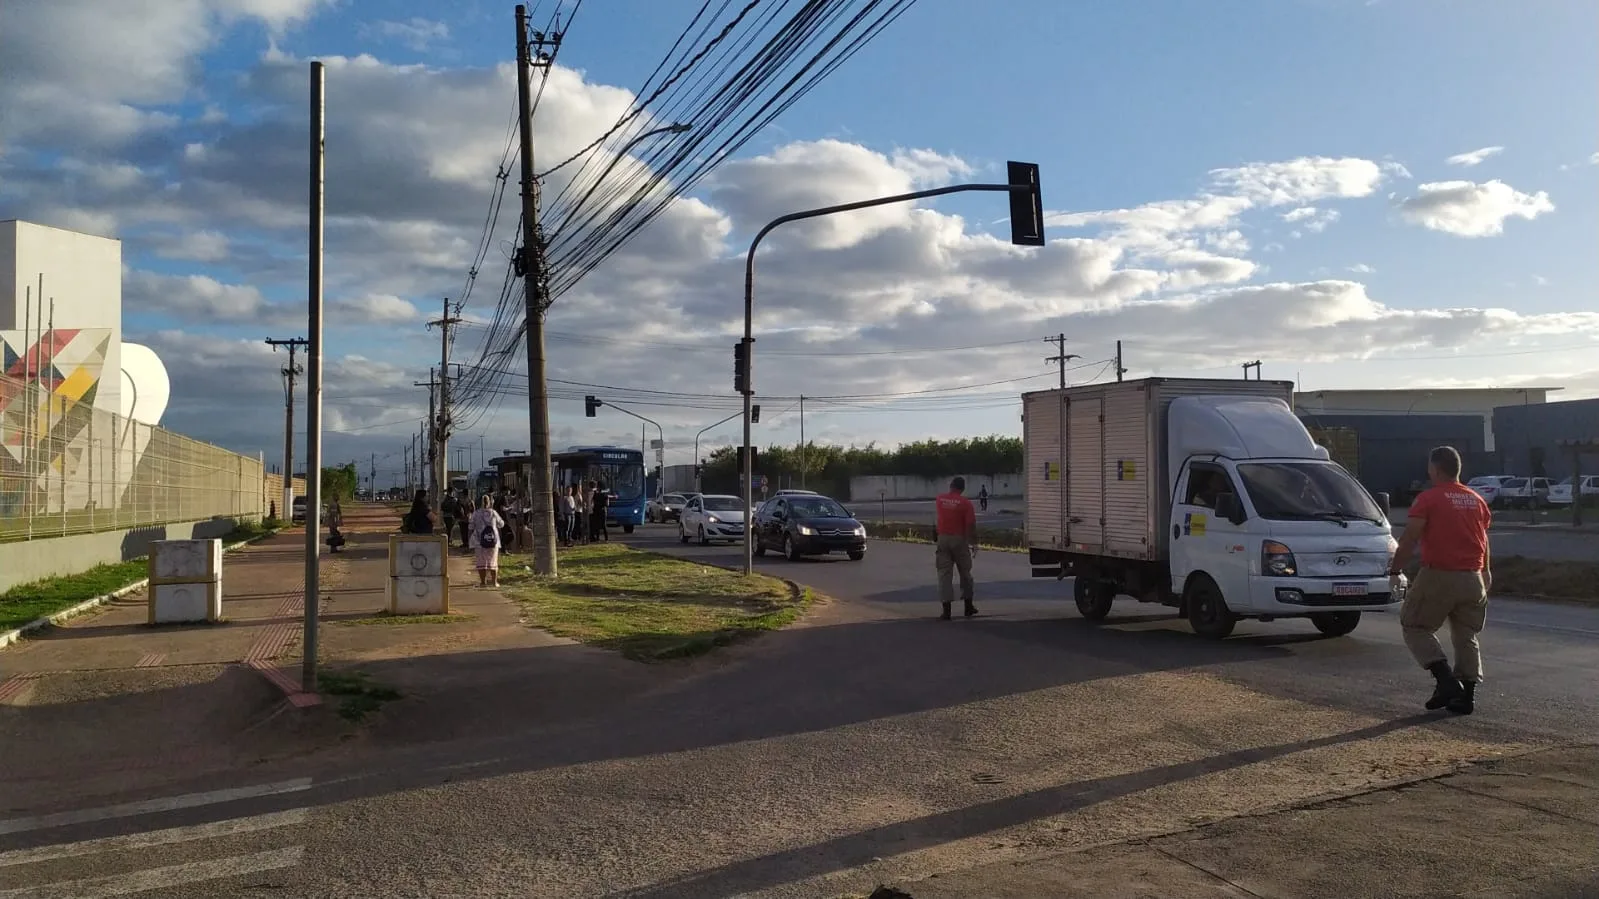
column 870, row 744
column 1549, row 541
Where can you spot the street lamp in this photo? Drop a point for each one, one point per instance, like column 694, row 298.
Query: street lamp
column 1027, row 229
column 697, row 444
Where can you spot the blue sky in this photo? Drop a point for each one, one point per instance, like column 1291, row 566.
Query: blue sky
column 1122, row 104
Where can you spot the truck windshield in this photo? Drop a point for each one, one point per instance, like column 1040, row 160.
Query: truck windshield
column 1305, row 491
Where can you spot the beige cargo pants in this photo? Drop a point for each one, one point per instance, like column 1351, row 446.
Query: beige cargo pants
column 953, row 554
column 1456, row 597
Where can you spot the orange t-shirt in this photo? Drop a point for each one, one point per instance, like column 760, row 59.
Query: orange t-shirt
column 955, row 514
column 1456, row 538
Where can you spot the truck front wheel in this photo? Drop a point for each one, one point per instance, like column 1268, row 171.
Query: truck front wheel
column 1207, row 609
column 1094, row 598
column 1335, row 624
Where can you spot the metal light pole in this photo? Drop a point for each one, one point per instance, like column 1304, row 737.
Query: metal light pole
column 697, row 484
column 1027, row 229
column 313, row 387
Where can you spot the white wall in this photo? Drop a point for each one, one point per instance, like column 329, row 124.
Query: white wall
column 1461, row 401
column 901, row 486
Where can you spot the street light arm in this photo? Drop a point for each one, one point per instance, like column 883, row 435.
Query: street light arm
column 715, row 424
column 610, row 405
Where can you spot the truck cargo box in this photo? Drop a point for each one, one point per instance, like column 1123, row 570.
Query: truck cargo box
column 1097, row 480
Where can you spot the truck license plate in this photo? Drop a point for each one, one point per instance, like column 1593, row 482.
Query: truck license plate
column 1349, row 589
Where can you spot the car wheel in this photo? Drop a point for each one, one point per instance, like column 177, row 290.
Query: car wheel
column 790, row 550
column 1093, row 598
column 704, row 540
column 1335, row 624
column 627, row 529
column 681, row 534
column 855, row 555
column 1207, row 609
column 760, row 547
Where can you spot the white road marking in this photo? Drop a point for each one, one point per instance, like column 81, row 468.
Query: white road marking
column 160, row 878
column 230, row 827
column 150, row 806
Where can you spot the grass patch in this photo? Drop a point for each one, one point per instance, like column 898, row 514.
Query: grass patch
column 390, row 619
column 1571, row 581
column 1002, row 539
column 358, row 695
column 25, row 602
column 651, row 607
column 252, row 530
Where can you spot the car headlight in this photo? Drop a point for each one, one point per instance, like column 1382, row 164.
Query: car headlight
column 1277, row 560
column 806, row 530
column 860, row 530
column 712, row 519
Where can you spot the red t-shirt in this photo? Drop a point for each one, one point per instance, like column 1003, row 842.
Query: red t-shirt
column 1456, row 538
column 955, row 514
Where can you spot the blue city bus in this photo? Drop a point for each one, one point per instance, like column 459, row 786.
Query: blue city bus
column 620, row 469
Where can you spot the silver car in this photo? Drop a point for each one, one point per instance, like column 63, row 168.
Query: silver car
column 666, row 508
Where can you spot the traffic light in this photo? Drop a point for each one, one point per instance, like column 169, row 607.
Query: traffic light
column 1026, row 206
column 590, row 403
column 755, row 413
column 742, row 382
column 755, row 459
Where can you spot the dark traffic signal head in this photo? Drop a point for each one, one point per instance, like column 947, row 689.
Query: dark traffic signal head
column 755, row 413
column 590, row 403
column 1026, row 205
column 742, row 383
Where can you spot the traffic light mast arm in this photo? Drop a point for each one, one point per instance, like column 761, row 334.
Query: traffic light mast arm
column 610, row 405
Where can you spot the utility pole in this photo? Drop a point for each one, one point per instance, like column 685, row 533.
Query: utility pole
column 539, row 52
column 372, row 479
column 290, row 372
column 429, row 435
column 1061, row 356
column 802, row 441
column 441, row 420
column 1255, row 365
column 1119, row 370
column 313, row 383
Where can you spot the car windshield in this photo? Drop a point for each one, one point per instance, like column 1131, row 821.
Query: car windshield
column 1303, row 491
column 672, row 499
column 722, row 504
column 1515, row 482
column 816, row 507
column 1483, row 482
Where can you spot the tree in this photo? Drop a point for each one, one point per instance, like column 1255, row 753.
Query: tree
column 828, row 469
column 339, row 483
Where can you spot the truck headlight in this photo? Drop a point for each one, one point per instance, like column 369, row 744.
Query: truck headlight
column 1277, row 560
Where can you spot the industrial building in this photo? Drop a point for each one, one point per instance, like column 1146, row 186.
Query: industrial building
column 1429, row 401
column 1538, row 440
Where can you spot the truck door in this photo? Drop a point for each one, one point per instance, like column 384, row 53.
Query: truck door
column 1203, row 541
column 1085, row 477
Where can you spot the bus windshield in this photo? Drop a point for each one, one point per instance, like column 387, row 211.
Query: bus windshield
column 625, row 479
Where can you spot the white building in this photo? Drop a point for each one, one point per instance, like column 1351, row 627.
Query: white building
column 1423, row 401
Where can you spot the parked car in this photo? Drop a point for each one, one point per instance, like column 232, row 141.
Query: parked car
column 299, row 509
column 1488, row 486
column 1524, row 492
column 795, row 490
column 712, row 516
column 808, row 524
column 666, row 508
column 1560, row 493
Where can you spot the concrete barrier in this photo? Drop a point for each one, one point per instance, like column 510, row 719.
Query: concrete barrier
column 185, row 581
column 26, row 561
column 419, row 575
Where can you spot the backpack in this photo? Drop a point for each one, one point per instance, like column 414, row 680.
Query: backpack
column 486, row 537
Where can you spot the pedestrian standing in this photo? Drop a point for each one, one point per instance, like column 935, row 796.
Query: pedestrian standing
column 585, row 502
column 486, row 525
column 450, row 509
column 570, row 502
column 957, row 542
column 1451, row 522
column 598, row 525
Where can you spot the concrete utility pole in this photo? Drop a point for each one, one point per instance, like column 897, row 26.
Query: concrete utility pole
column 442, row 419
column 313, row 387
column 539, row 52
column 1255, row 365
column 1119, row 370
column 430, row 432
column 1061, row 356
column 290, row 372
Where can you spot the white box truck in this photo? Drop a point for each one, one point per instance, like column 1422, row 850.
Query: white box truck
column 1207, row 495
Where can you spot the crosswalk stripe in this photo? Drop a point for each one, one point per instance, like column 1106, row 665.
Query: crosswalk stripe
column 228, row 828
column 149, row 806
column 160, row 878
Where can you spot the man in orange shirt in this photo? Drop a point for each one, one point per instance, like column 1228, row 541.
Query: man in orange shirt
column 957, row 541
column 1450, row 521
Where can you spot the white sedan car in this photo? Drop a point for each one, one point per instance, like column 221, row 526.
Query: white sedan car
column 1560, row 494
column 1489, row 486
column 712, row 516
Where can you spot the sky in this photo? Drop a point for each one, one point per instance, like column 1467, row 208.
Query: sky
column 1358, row 193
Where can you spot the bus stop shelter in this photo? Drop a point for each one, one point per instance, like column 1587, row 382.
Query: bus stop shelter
column 1578, row 449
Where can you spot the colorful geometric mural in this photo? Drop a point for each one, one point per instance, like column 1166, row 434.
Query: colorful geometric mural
column 48, row 387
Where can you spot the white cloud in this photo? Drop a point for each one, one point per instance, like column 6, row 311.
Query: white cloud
column 1473, row 157
column 416, row 33
column 1311, row 219
column 1303, row 180
column 1540, row 280
column 1361, row 268
column 197, row 246
column 1470, row 209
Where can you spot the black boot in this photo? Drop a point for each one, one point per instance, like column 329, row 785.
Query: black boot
column 1448, row 686
column 970, row 609
column 945, row 616
column 1465, row 703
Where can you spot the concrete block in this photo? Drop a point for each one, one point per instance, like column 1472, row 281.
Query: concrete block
column 185, row 561
column 419, row 596
column 185, row 603
column 418, row 555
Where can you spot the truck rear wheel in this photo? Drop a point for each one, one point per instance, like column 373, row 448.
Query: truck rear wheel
column 1207, row 609
column 1335, row 624
column 1094, row 598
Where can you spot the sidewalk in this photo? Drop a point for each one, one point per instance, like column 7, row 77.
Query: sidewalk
column 1514, row 828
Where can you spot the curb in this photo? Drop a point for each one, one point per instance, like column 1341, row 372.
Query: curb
column 11, row 636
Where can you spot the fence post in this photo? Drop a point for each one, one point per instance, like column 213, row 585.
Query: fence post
column 93, row 497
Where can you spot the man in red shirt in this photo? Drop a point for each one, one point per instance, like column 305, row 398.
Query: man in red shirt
column 957, row 541
column 1450, row 521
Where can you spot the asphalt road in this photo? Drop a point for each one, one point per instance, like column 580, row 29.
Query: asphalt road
column 868, row 744
column 1549, row 541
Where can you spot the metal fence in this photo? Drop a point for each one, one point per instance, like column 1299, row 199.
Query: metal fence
column 68, row 468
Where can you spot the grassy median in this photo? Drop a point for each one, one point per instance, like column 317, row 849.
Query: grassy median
column 651, row 607
column 1002, row 539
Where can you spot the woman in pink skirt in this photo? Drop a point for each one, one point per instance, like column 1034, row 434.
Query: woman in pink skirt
column 485, row 531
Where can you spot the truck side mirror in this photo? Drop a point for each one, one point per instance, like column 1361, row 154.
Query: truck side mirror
column 1228, row 507
column 1385, row 503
